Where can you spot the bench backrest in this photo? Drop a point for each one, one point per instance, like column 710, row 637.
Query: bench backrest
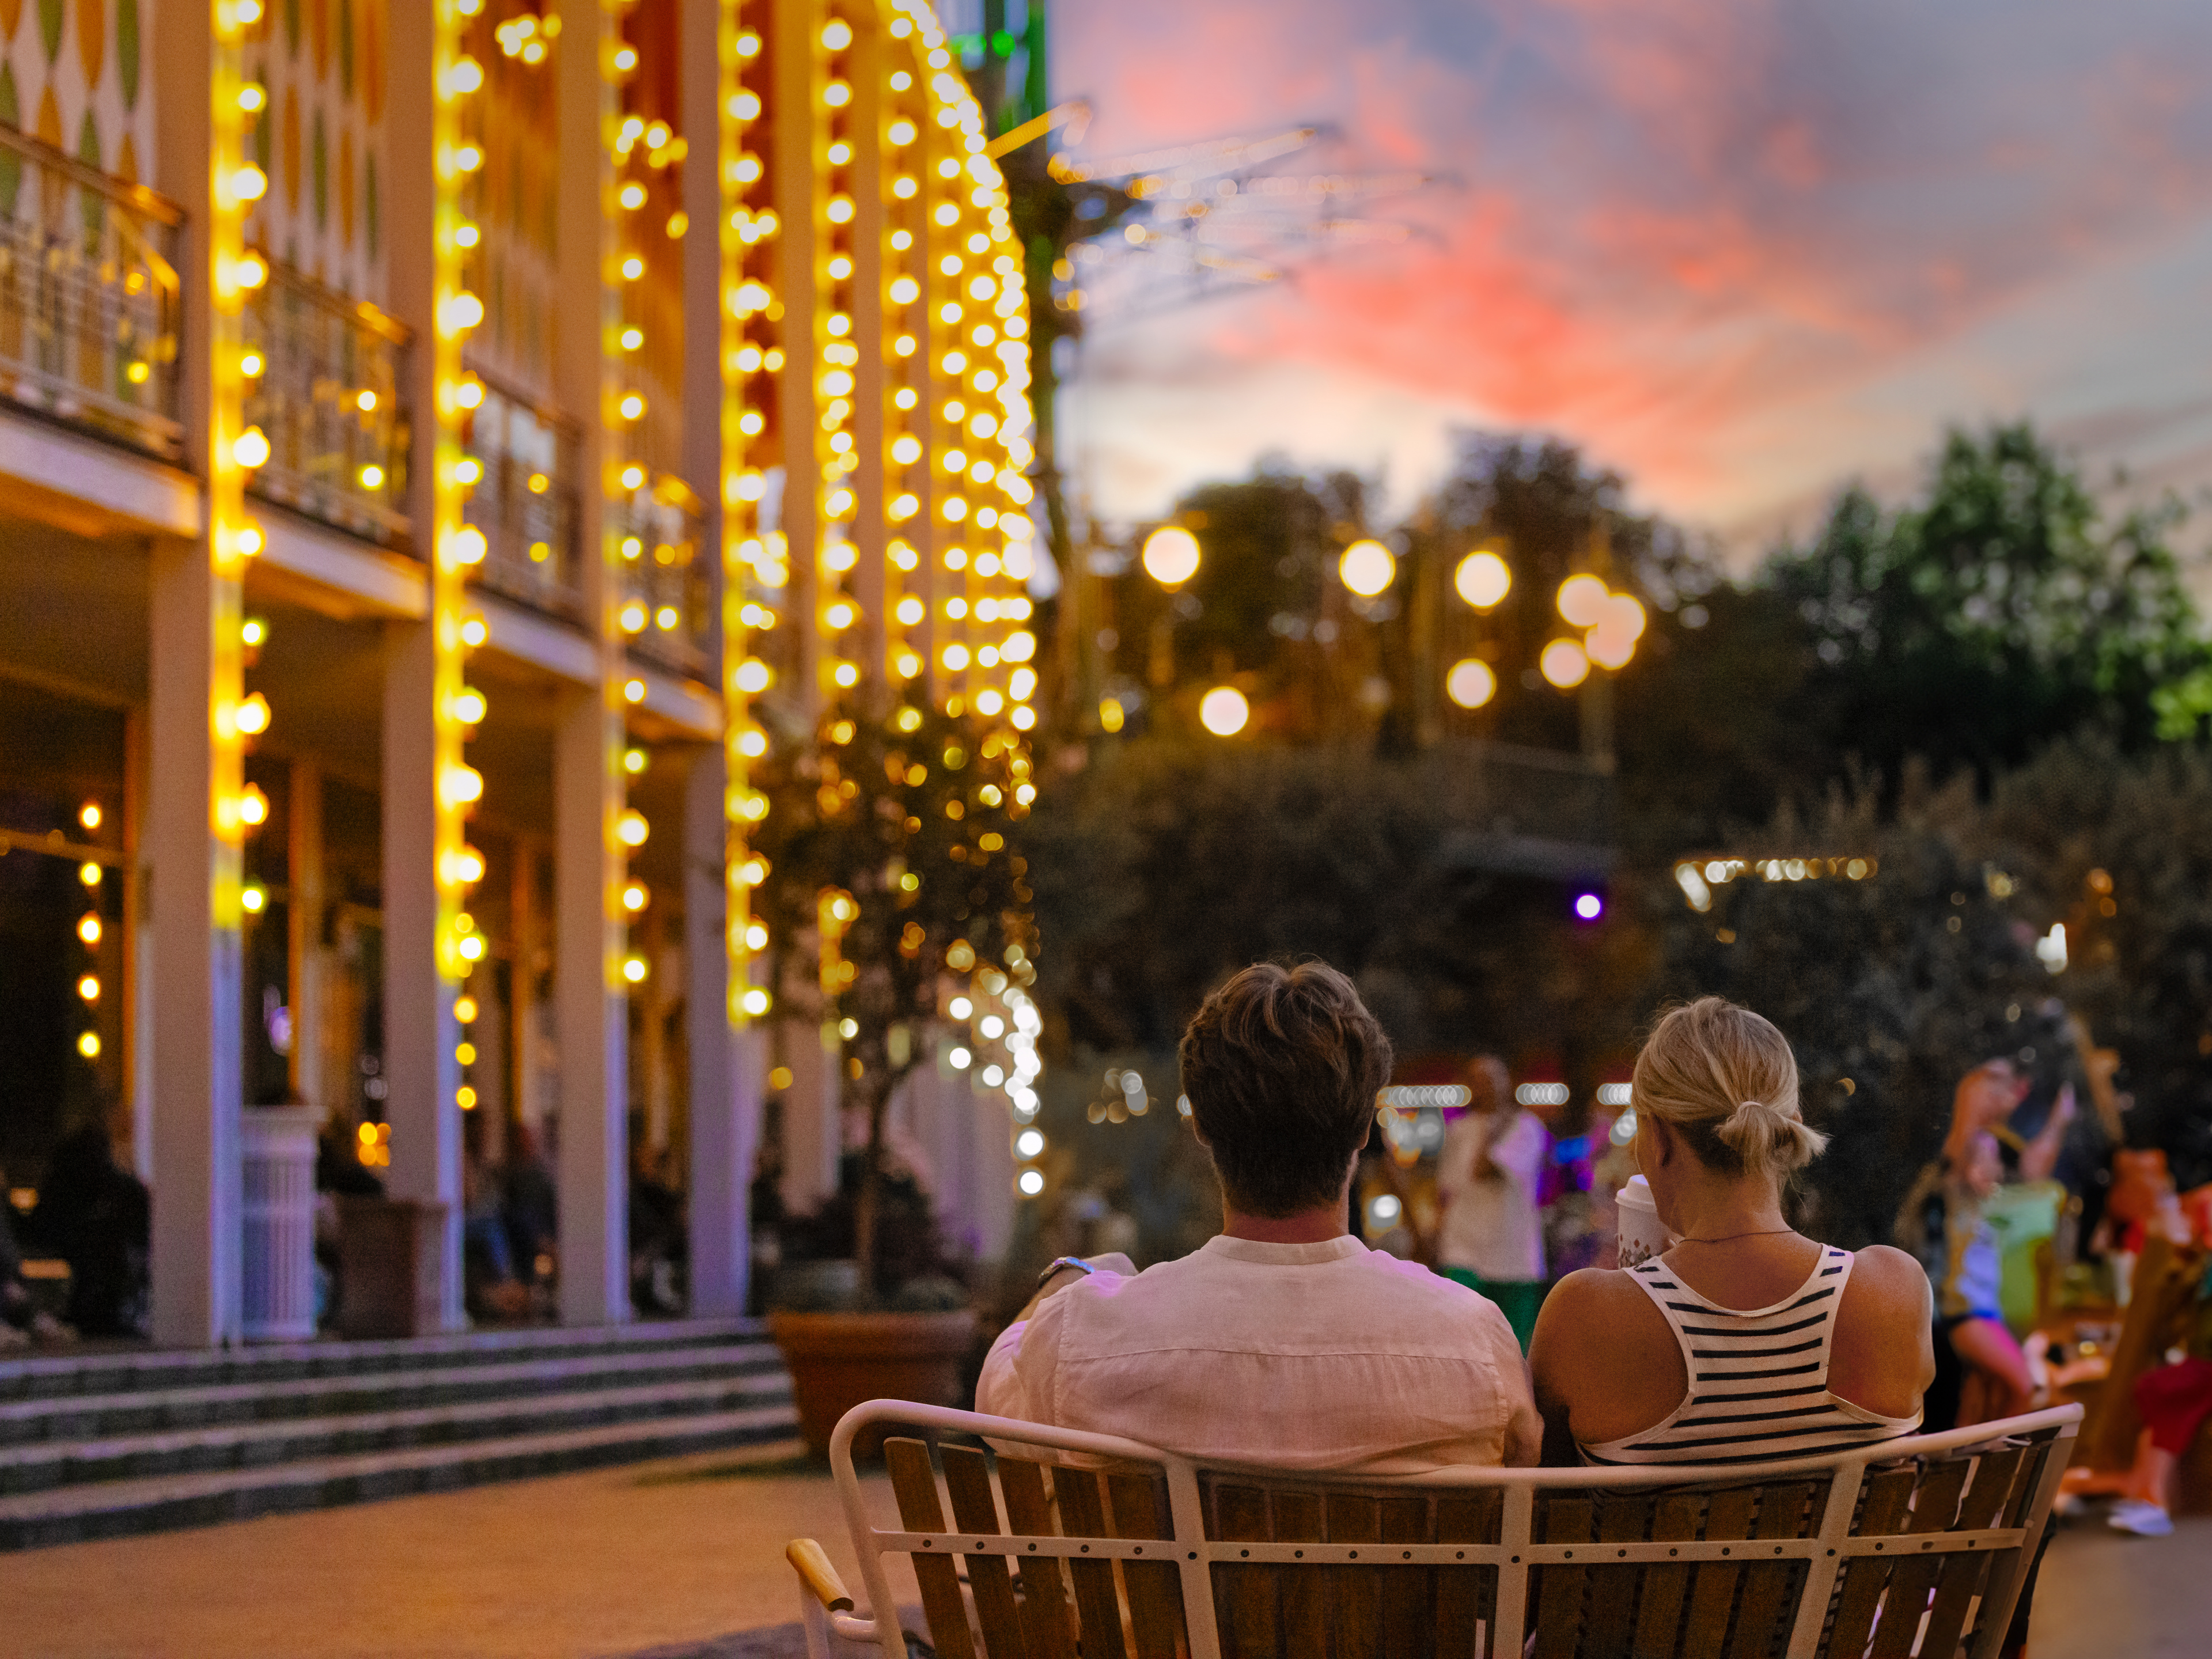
column 1049, row 1543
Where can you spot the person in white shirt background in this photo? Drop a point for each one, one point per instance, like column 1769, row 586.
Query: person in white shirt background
column 1284, row 1340
column 1492, row 1235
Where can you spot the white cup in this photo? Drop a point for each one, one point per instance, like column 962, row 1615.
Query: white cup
column 1641, row 1234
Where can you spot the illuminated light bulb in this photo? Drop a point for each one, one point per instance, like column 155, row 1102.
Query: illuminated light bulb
column 88, row 929
column 464, row 1010
column 1483, row 578
column 632, row 616
column 463, row 867
column 625, row 59
column 904, row 506
column 88, row 1045
column 635, row 761
column 1170, row 555
column 465, row 1096
column 633, row 547
column 468, row 158
column 466, row 235
column 474, row 632
column 633, row 267
column 252, row 716
column 634, row 690
column 471, row 948
column 460, row 312
column 839, row 209
column 632, row 407
column 906, row 663
column 371, row 477
column 907, row 449
column 250, row 364
column 634, row 897
column 634, row 969
column 745, row 106
column 755, row 1001
column 1018, row 647
column 1030, row 1183
column 1609, row 648
column 633, row 477
column 837, row 35
column 988, row 702
column 837, row 94
column 840, row 153
column 1367, row 568
column 89, row 988
column 249, row 182
column 248, row 540
column 469, row 394
column 461, row 785
column 1581, row 600
column 1223, row 711
column 252, row 99
column 466, row 76
column 470, row 546
column 955, row 658
column 630, row 828
column 756, row 936
column 909, row 611
column 249, row 12
column 1470, row 683
column 841, row 616
column 632, row 195
column 1021, row 683
column 250, row 447
column 753, row 677
column 902, row 133
column 469, row 707
column 253, row 805
column 89, row 815
column 88, row 873
column 251, row 271
column 1563, row 663
column 752, row 744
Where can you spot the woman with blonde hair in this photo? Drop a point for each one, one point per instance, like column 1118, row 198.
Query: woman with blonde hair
column 1744, row 1340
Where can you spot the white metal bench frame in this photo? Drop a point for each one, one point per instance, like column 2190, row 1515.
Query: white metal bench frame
column 827, row 1608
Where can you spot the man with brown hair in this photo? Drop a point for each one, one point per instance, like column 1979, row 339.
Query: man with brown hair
column 1284, row 1340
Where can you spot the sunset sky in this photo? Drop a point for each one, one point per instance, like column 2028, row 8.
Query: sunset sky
column 1739, row 250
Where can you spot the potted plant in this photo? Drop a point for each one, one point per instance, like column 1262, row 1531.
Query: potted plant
column 892, row 875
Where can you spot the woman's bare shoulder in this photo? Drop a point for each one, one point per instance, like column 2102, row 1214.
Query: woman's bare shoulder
column 1887, row 1272
column 1588, row 1301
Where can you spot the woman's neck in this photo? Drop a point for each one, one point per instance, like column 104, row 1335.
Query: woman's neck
column 1709, row 1211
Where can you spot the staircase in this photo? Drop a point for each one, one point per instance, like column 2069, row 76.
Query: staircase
column 99, row 1444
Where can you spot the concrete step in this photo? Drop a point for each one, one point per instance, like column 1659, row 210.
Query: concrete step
column 111, row 1509
column 49, row 1465
column 107, row 1369
column 493, row 1375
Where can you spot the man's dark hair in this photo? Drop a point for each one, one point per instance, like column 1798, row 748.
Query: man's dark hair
column 1282, row 1067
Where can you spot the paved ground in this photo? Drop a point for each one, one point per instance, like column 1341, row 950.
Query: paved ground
column 684, row 1560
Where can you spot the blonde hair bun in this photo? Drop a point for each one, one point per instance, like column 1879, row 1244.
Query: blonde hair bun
column 1724, row 1077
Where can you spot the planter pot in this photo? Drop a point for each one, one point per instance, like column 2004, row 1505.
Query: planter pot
column 839, row 1360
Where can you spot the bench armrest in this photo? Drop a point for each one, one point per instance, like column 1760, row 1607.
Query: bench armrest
column 812, row 1562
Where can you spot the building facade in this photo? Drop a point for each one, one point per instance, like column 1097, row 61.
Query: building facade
column 443, row 444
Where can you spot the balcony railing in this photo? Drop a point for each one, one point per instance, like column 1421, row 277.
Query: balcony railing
column 327, row 399
column 525, row 501
column 667, row 607
column 90, row 304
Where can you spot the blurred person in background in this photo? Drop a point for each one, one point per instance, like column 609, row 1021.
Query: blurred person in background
column 1491, row 1236
column 96, row 1217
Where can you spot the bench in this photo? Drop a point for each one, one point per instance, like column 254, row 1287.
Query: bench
column 1045, row 1543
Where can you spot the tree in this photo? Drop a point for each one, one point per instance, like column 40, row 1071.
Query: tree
column 1998, row 613
column 888, row 844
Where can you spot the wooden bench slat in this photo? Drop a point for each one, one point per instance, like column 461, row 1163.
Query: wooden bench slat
column 1659, row 1612
column 1622, row 1518
column 1881, row 1511
column 1355, row 1600
column 915, row 1488
column 1713, row 1583
column 1299, row 1518
column 1765, row 1610
column 1044, row 1588
column 1467, row 1597
column 1408, row 1592
column 1558, row 1591
column 990, row 1580
column 1140, row 1506
column 1083, row 1515
column 1935, row 1509
column 1963, row 1575
column 1245, row 1595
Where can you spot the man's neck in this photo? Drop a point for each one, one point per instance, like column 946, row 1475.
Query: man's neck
column 1314, row 1226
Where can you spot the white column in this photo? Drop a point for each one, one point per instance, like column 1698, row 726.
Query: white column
column 309, row 1049
column 594, row 1017
column 420, row 1030
column 197, row 1055
column 813, row 1116
column 725, row 1080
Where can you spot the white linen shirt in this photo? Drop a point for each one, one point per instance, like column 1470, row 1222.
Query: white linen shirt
column 1327, row 1355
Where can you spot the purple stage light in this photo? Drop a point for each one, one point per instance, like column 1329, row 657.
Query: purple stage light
column 1589, row 906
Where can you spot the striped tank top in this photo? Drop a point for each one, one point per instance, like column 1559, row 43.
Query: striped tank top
column 1758, row 1377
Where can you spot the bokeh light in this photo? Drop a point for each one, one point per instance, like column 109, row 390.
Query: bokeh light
column 1483, row 578
column 1171, row 555
column 1223, row 711
column 1367, row 567
column 1563, row 663
column 1470, row 683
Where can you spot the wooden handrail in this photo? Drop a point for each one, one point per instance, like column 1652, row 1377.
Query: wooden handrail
column 138, row 197
column 336, row 302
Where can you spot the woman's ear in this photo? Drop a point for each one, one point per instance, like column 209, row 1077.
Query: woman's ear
column 1664, row 1146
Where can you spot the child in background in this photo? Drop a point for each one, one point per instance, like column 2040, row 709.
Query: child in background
column 1942, row 1223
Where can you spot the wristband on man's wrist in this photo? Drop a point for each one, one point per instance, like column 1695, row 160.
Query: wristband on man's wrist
column 1057, row 1263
